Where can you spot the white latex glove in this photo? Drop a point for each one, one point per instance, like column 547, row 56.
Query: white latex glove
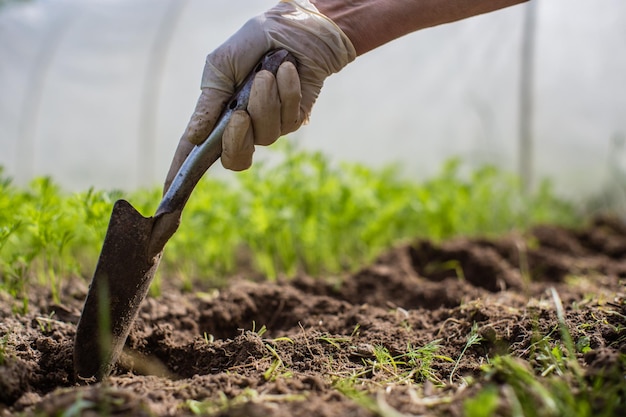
column 278, row 105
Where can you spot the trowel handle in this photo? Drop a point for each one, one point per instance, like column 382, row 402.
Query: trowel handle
column 204, row 155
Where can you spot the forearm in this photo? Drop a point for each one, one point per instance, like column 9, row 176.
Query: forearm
column 372, row 23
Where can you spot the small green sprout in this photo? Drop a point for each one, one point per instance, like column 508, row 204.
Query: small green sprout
column 259, row 332
column 45, row 323
column 335, row 341
column 484, row 404
column 272, row 372
column 473, row 338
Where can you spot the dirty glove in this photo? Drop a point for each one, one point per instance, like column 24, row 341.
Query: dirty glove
column 278, row 105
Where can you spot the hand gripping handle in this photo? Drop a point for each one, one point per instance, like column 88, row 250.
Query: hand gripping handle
column 205, row 154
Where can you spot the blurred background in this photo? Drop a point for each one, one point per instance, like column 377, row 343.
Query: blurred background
column 97, row 92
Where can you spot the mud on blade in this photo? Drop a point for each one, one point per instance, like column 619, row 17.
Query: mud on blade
column 120, row 282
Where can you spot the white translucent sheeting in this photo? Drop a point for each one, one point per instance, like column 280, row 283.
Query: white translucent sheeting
column 78, row 102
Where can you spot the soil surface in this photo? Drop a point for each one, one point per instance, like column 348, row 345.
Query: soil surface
column 388, row 340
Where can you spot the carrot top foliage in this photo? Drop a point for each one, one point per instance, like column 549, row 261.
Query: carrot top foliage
column 302, row 213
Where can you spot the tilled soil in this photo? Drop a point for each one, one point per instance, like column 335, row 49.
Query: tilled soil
column 323, row 347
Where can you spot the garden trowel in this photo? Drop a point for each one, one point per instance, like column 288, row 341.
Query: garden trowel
column 134, row 244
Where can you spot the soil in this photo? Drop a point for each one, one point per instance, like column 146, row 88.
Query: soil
column 316, row 346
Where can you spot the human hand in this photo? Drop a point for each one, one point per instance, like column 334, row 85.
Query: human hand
column 278, row 105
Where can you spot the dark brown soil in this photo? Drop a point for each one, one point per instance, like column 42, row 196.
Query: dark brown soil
column 316, row 347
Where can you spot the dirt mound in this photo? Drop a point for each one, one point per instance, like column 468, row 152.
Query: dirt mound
column 393, row 336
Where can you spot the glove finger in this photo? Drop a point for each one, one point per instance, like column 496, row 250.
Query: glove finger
column 238, row 142
column 208, row 110
column 288, row 83
column 264, row 109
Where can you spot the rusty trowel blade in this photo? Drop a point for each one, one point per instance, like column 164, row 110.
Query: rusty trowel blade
column 121, row 280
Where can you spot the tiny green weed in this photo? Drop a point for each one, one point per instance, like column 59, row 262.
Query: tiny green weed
column 335, row 341
column 414, row 366
column 375, row 404
column 420, row 361
column 277, row 365
column 261, row 331
column 210, row 407
column 552, row 383
column 46, row 324
column 484, row 404
column 473, row 338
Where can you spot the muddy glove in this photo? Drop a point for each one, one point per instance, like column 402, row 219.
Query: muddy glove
column 278, row 105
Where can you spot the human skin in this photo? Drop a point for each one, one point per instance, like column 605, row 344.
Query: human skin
column 372, row 23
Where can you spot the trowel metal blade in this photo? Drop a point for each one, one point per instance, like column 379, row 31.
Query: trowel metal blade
column 121, row 280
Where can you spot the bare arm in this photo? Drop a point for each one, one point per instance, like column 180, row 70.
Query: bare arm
column 372, row 23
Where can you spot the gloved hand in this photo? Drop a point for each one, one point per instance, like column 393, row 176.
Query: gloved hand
column 278, row 105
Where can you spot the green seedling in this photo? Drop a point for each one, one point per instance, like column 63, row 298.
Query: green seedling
column 283, row 339
column 45, row 323
column 556, row 387
column 277, row 364
column 261, row 331
column 484, row 404
column 349, row 388
column 300, row 214
column 550, row 359
column 534, row 396
column 420, row 360
column 375, row 405
column 583, row 344
column 413, row 366
column 384, row 361
column 473, row 338
column 79, row 408
column 209, row 407
column 378, row 362
column 566, row 337
column 208, row 338
column 335, row 341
